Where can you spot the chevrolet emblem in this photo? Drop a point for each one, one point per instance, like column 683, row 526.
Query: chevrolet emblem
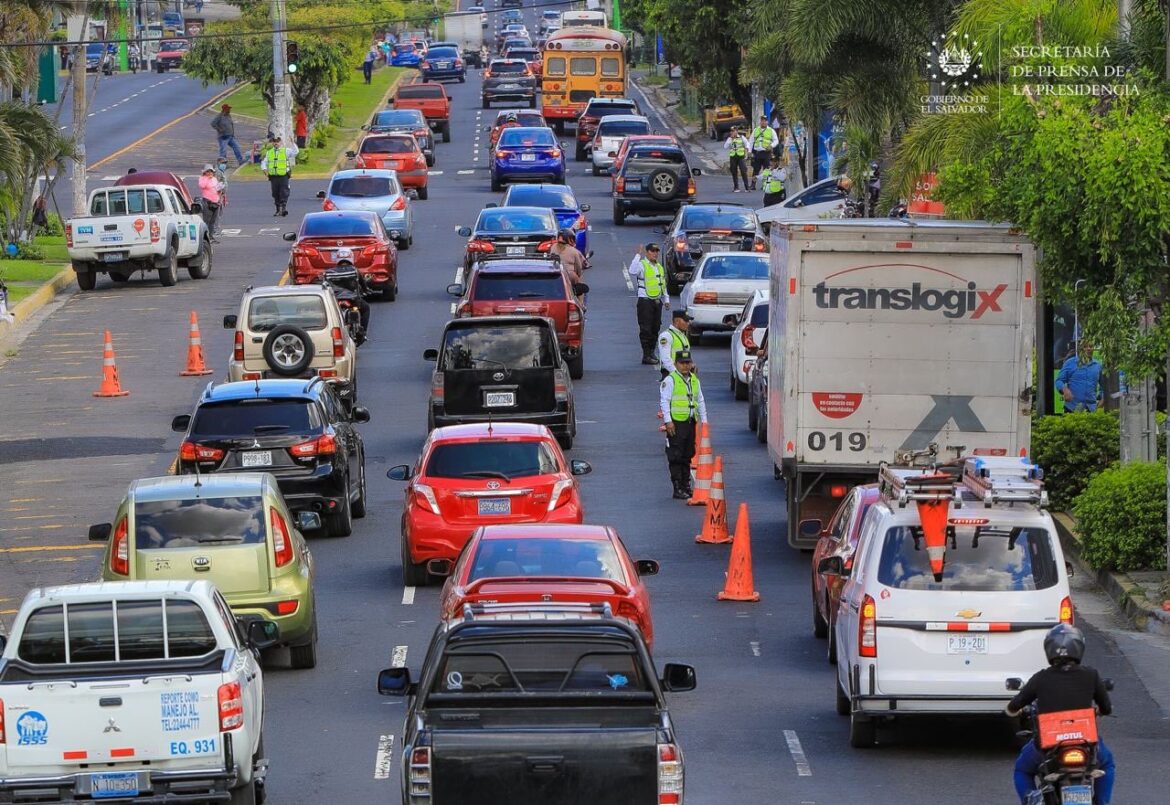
column 968, row 614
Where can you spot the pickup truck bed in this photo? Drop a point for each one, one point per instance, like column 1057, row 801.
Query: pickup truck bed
column 431, row 99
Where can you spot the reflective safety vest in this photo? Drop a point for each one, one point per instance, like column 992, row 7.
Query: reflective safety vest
column 652, row 278
column 277, row 160
column 684, row 398
column 763, row 138
column 737, row 148
column 678, row 340
column 773, row 181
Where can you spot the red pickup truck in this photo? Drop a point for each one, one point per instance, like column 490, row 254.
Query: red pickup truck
column 431, row 99
column 523, row 286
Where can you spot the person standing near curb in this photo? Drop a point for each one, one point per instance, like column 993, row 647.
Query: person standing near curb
column 681, row 404
column 277, row 165
column 225, row 130
column 210, row 198
column 368, row 64
column 301, row 127
column 650, row 277
column 763, row 140
column 737, row 147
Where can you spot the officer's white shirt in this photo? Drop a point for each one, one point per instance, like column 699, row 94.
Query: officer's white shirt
column 638, row 273
column 666, row 348
column 291, row 152
column 666, row 391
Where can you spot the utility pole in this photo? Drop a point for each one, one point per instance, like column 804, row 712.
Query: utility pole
column 280, row 116
column 78, row 31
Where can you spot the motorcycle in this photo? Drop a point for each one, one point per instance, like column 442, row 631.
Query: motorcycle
column 349, row 288
column 133, row 61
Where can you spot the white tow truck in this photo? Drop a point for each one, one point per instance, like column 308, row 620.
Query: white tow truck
column 143, row 692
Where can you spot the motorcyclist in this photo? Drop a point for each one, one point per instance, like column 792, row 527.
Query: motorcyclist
column 132, row 54
column 1064, row 685
column 347, row 280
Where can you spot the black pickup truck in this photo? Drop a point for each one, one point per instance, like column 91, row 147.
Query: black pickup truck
column 543, row 704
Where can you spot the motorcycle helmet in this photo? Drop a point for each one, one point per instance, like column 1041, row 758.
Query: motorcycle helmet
column 1064, row 643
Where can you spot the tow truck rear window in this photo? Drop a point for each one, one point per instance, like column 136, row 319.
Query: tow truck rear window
column 493, row 287
column 978, row 559
column 200, row 521
column 516, row 666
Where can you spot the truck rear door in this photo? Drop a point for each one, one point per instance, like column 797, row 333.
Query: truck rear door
column 118, row 219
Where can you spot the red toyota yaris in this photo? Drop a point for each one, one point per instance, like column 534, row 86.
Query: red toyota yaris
column 479, row 474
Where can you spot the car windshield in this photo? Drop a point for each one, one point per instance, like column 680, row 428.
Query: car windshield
column 703, row 218
column 398, row 117
column 306, row 312
column 200, row 521
column 508, row 219
column 338, row 226
column 657, row 155
column 494, row 287
column 620, row 128
column 508, row 67
column 250, row 417
column 519, row 137
column 988, row 558
column 517, row 346
column 175, row 44
column 489, row 458
column 387, row 145
column 512, row 666
column 734, row 267
column 363, row 187
column 536, row 196
column 546, row 556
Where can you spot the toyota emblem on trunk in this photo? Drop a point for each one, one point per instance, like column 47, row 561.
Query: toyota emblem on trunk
column 498, row 376
column 493, row 484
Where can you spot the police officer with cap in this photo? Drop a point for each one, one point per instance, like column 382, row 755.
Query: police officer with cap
column 673, row 339
column 650, row 277
column 680, row 400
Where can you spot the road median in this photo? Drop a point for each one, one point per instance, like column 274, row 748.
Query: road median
column 34, row 283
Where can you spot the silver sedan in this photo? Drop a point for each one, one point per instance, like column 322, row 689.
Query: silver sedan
column 376, row 190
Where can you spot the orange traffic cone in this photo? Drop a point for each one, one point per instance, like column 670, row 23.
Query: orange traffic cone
column 110, row 386
column 715, row 522
column 703, row 435
column 704, row 466
column 739, row 585
column 195, row 364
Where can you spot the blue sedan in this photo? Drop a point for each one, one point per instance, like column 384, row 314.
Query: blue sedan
column 559, row 199
column 405, row 54
column 442, row 62
column 527, row 153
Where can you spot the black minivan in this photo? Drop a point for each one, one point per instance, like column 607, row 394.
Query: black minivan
column 502, row 368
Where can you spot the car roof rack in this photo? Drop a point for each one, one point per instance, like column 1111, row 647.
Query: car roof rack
column 537, row 611
column 990, row 479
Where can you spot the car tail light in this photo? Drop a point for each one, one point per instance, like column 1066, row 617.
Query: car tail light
column 437, row 392
column 420, row 161
column 545, row 245
column 328, row 205
column 424, row 498
column 421, row 132
column 628, row 609
column 287, row 607
column 193, row 451
column 620, row 185
column 420, row 771
column 464, row 309
column 680, row 243
column 690, row 187
column 480, row 246
column 252, row 376
column 501, row 154
column 120, row 549
column 360, row 162
column 155, row 234
column 574, row 312
column 759, row 245
column 305, row 252
column 867, row 628
column 69, row 236
column 1066, row 611
column 323, row 445
column 838, row 490
column 231, row 707
column 747, row 337
column 371, row 250
column 487, row 73
column 581, row 223
column 399, row 203
column 554, row 153
column 338, row 343
column 706, row 298
column 562, row 493
column 282, row 546
column 560, row 384
column 670, row 775
column 1073, row 757
column 238, row 351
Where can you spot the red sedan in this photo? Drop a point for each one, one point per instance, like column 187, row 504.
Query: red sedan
column 473, row 475
column 839, row 538
column 396, row 152
column 560, row 564
column 327, row 239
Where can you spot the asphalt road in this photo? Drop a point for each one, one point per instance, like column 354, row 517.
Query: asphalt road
column 760, row 728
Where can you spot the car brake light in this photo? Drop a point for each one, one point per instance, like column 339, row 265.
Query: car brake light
column 323, row 445
column 480, row 246
column 1073, row 757
column 399, row 203
column 238, row 351
column 838, row 490
column 155, row 234
column 424, row 498
column 1066, row 611
column 437, row 393
column 620, row 185
column 501, row 154
column 231, row 707
column 421, row 132
column 574, row 312
column 680, row 243
column 559, row 496
column 706, row 298
column 690, row 187
column 338, row 343
column 747, row 337
column 282, row 547
column 420, row 161
column 371, row 251
column 420, row 771
column 670, row 775
column 581, row 222
column 360, row 162
column 560, row 385
column 69, row 236
column 555, row 153
column 193, row 451
column 867, row 628
column 758, row 245
column 287, row 607
column 120, row 549
column 545, row 245
column 328, row 205
column 305, row 252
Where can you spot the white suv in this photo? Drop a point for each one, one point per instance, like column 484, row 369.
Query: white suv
column 910, row 642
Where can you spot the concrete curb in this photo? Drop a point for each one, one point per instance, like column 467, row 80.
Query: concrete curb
column 27, row 307
column 1124, row 591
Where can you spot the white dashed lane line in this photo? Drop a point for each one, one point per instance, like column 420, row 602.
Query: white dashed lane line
column 466, row 172
column 797, row 752
column 398, row 660
column 755, row 644
column 407, row 596
column 384, row 757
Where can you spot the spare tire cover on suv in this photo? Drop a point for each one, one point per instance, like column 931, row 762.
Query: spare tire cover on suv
column 288, row 350
column 662, row 184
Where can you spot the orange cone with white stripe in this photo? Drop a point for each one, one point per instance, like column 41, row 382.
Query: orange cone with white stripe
column 195, row 363
column 111, row 387
column 715, row 522
column 703, row 465
column 740, row 586
column 933, row 516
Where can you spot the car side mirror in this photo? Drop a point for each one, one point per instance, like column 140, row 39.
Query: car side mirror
column 579, row 467
column 262, row 635
column 180, row 423
column 320, row 194
column 696, row 172
column 463, row 231
column 1014, row 683
column 646, row 567
column 810, row 528
column 360, row 414
column 350, row 154
column 430, row 354
column 100, row 532
column 289, row 236
column 229, row 322
column 731, row 319
column 402, row 472
column 455, row 289
column 440, row 567
column 678, row 677
column 490, row 205
column 831, row 566
column 395, row 682
column 1069, row 570
column 580, row 288
column 584, row 207
column 308, row 521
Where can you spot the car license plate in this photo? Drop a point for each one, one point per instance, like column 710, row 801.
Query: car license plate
column 113, row 257
column 509, row 86
column 719, row 247
column 499, row 399
column 510, row 250
column 495, row 506
column 343, row 254
column 257, row 458
column 1076, row 795
column 528, row 157
column 633, row 184
column 443, row 65
column 114, row 784
column 966, row 644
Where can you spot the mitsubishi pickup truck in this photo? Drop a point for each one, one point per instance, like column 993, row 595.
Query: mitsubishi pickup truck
column 132, row 692
column 539, row 704
column 431, row 99
column 141, row 228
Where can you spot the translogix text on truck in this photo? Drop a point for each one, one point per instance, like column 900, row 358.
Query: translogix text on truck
column 890, row 336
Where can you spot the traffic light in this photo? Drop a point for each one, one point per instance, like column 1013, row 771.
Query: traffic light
column 291, row 56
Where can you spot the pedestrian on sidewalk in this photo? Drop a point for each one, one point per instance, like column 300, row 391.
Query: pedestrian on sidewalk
column 737, row 147
column 209, row 199
column 681, row 404
column 673, row 340
column 763, row 139
column 650, row 277
column 368, row 64
column 772, row 182
column 301, row 127
column 225, row 130
column 1079, row 380
column 277, row 165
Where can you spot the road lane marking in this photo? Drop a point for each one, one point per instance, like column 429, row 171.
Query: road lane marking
column 755, row 648
column 37, row 548
column 110, row 178
column 398, row 658
column 466, row 172
column 407, row 595
column 384, row 757
column 629, row 281
column 797, row 752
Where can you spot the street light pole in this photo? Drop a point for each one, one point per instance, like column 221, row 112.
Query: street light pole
column 280, row 115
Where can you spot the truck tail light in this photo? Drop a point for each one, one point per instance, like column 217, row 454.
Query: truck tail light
column 323, row 445
column 680, row 243
column 338, row 343
column 1066, row 611
column 747, row 338
column 69, row 236
column 690, row 187
column 670, row 775
column 328, row 205
column 120, row 549
column 155, row 234
column 437, row 391
column 399, row 203
column 620, row 185
column 193, row 451
column 562, row 493
column 706, row 298
column 867, row 628
column 484, row 246
column 420, row 771
column 424, row 498
column 560, row 384
column 581, row 222
column 838, row 490
column 574, row 312
column 238, row 351
column 231, row 706
column 282, row 546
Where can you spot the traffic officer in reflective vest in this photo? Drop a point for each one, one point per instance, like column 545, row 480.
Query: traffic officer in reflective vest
column 680, row 400
column 736, row 146
column 277, row 165
column 650, row 277
column 672, row 340
column 773, row 183
column 764, row 139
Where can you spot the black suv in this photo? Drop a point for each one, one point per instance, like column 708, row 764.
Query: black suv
column 502, row 368
column 508, row 80
column 701, row 228
column 653, row 180
column 295, row 429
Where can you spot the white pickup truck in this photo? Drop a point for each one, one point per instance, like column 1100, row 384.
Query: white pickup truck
column 143, row 692
column 138, row 228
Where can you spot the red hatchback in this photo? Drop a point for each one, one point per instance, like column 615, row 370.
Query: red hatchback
column 468, row 476
column 839, row 538
column 542, row 564
column 358, row 237
column 396, row 152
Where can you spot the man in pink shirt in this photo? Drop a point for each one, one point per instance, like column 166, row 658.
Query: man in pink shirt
column 210, row 197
